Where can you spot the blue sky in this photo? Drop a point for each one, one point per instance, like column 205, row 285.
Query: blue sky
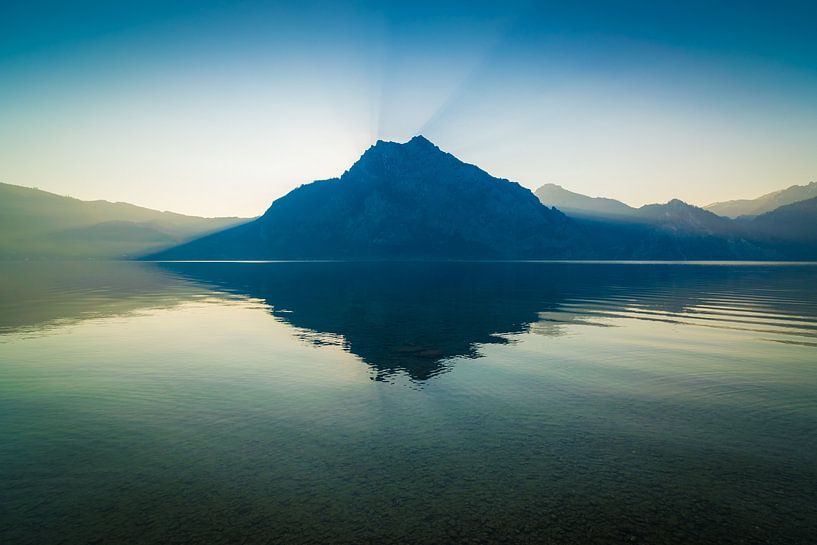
column 217, row 108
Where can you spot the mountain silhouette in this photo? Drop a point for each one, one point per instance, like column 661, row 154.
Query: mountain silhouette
column 398, row 201
column 413, row 201
column 675, row 215
column 36, row 224
column 576, row 204
column 790, row 229
column 672, row 230
column 678, row 230
column 795, row 222
column 764, row 203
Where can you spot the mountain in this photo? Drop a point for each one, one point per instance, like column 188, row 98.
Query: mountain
column 675, row 215
column 791, row 229
column 576, row 204
column 765, row 203
column 672, row 230
column 409, row 201
column 677, row 230
column 35, row 224
column 415, row 201
column 399, row 201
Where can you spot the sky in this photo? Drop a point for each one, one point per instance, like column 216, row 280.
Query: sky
column 217, row 108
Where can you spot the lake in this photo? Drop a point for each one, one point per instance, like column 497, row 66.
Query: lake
column 419, row 403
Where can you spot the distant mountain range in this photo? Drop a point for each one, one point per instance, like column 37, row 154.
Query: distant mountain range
column 578, row 205
column 675, row 215
column 765, row 203
column 677, row 230
column 411, row 201
column 35, row 224
column 790, row 229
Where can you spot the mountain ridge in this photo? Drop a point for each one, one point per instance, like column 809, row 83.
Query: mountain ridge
column 574, row 203
column 412, row 200
column 403, row 201
column 674, row 215
column 764, row 203
column 37, row 224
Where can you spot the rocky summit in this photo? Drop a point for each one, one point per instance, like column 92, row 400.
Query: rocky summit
column 399, row 201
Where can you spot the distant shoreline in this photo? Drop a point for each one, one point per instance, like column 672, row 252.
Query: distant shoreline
column 713, row 262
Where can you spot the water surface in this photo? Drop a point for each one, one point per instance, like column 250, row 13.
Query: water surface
column 408, row 403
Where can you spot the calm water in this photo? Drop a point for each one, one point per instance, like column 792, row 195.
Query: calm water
column 408, row 403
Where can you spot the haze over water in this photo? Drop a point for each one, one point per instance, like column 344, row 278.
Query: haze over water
column 412, row 403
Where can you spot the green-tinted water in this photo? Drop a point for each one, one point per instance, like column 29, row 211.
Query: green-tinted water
column 408, row 403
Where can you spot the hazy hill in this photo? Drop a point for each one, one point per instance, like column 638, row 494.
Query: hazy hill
column 36, row 224
column 677, row 230
column 675, row 215
column 765, row 203
column 790, row 231
column 672, row 230
column 795, row 222
column 579, row 205
column 399, row 201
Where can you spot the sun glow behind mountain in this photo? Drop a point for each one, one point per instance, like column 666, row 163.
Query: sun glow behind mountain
column 216, row 109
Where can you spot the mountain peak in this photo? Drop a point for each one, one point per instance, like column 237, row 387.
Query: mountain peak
column 764, row 203
column 567, row 201
column 421, row 140
column 550, row 185
column 417, row 153
column 416, row 142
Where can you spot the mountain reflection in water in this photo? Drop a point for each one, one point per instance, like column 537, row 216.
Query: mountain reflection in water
column 232, row 403
column 416, row 317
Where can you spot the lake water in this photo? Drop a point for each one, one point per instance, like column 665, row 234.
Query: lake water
column 408, row 403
